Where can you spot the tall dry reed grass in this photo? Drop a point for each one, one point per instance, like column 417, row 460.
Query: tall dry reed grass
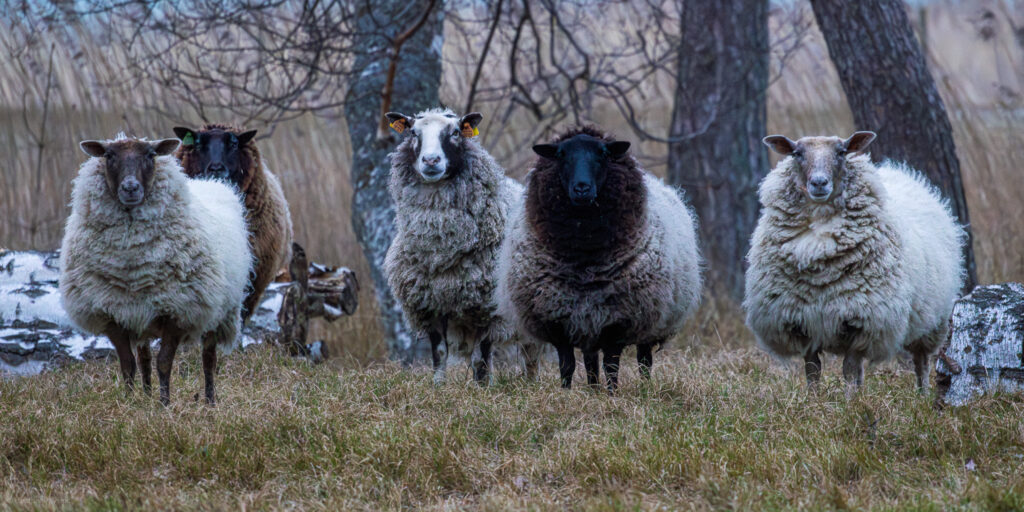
column 980, row 77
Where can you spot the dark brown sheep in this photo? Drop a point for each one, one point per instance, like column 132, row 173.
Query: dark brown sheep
column 603, row 255
column 228, row 153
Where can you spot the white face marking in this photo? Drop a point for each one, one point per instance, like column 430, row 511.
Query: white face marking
column 430, row 128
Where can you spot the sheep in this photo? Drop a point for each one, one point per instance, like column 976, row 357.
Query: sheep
column 602, row 255
column 850, row 258
column 451, row 204
column 149, row 253
column 228, row 153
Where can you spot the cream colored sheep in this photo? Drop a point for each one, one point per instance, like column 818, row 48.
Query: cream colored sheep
column 850, row 258
column 149, row 253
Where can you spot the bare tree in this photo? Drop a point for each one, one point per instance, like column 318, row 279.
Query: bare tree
column 399, row 68
column 890, row 91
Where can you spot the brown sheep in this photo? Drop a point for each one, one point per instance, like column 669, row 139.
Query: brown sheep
column 228, row 153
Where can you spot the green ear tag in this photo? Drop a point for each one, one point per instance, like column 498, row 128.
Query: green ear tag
column 188, row 140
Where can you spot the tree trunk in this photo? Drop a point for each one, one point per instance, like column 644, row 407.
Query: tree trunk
column 415, row 88
column 720, row 97
column 890, row 91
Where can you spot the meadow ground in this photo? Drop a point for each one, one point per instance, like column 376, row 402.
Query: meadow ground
column 719, row 429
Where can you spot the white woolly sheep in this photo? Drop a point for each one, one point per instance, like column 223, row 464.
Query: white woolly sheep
column 451, row 204
column 149, row 253
column 601, row 255
column 850, row 258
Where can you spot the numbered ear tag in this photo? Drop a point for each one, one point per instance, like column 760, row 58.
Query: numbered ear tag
column 469, row 131
column 398, row 125
column 188, row 140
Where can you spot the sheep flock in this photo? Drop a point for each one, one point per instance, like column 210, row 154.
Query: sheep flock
column 593, row 253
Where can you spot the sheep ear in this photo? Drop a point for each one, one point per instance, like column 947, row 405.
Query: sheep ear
column 859, row 141
column 779, row 144
column 187, row 135
column 468, row 124
column 245, row 137
column 165, row 147
column 399, row 122
column 617, row 148
column 93, row 148
column 549, row 151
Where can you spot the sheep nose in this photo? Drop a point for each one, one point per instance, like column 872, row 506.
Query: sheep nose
column 431, row 160
column 216, row 168
column 818, row 181
column 581, row 188
column 130, row 186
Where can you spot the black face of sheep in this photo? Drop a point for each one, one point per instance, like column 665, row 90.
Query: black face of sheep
column 219, row 152
column 822, row 160
column 439, row 141
column 129, row 165
column 581, row 164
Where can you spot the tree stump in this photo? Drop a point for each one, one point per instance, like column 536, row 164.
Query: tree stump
column 986, row 349
column 315, row 291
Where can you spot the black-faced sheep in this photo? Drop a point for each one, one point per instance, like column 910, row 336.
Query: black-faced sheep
column 850, row 258
column 149, row 253
column 451, row 204
column 603, row 255
column 224, row 152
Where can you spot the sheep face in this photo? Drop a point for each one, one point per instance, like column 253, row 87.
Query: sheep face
column 822, row 161
column 130, row 165
column 439, row 141
column 219, row 153
column 582, row 165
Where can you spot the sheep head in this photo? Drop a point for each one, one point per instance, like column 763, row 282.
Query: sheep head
column 581, row 162
column 218, row 153
column 440, row 138
column 822, row 161
column 130, row 165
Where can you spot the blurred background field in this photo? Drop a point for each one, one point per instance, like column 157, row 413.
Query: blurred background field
column 49, row 101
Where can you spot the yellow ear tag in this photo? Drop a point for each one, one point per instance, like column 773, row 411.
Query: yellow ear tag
column 469, row 131
column 398, row 125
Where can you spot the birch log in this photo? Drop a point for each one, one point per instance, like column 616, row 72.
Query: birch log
column 986, row 349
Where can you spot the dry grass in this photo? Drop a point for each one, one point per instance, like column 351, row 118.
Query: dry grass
column 981, row 82
column 722, row 430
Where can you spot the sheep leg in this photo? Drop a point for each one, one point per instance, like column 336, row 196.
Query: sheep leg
column 123, row 347
column 611, row 368
column 812, row 368
column 147, row 367
column 482, row 361
column 921, row 369
column 164, row 361
column 645, row 359
column 209, row 370
column 439, row 354
column 531, row 354
column 590, row 364
column 853, row 373
column 566, row 364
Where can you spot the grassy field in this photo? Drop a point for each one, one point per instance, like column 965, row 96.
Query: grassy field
column 713, row 430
